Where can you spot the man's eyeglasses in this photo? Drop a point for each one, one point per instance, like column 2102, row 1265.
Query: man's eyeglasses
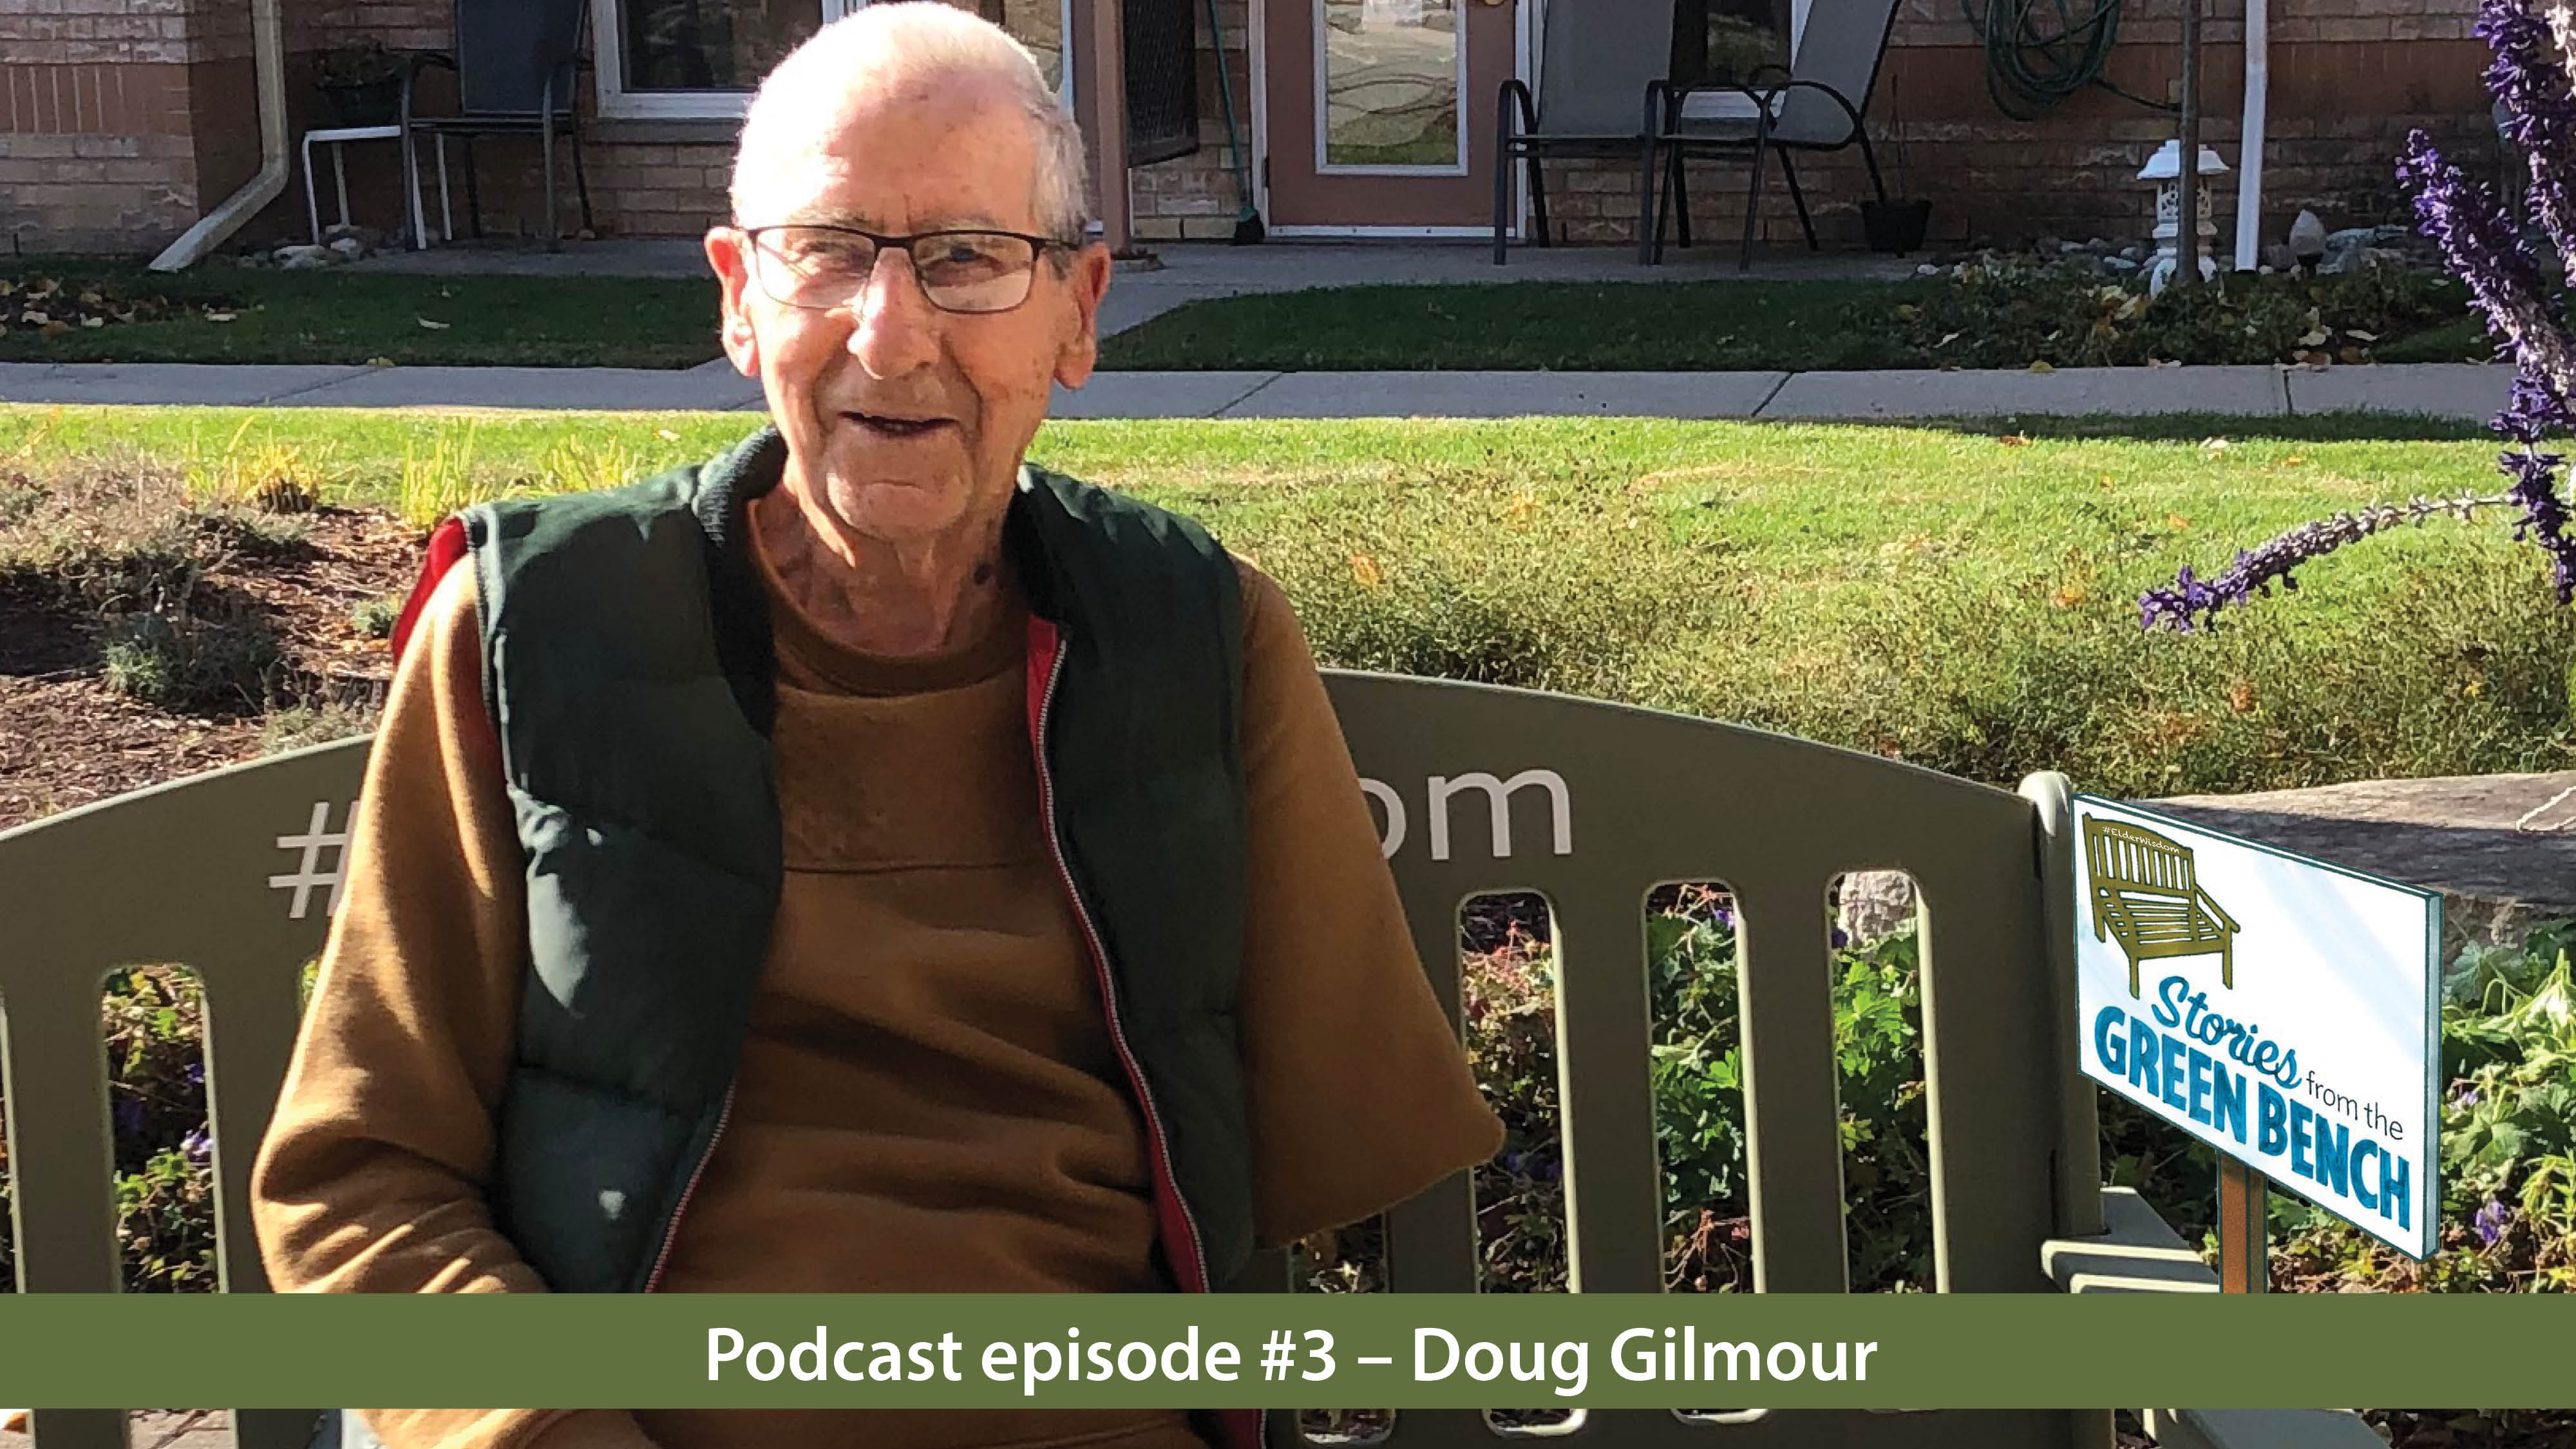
column 960, row 271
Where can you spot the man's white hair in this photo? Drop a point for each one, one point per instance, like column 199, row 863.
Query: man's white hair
column 895, row 42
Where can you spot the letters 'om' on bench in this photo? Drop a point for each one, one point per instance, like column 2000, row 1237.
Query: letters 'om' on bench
column 2145, row 896
column 1477, row 789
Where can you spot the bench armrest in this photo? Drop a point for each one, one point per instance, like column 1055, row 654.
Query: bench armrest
column 2138, row 1254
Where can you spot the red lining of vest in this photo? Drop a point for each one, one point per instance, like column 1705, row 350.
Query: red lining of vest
column 446, row 546
column 1169, row 1215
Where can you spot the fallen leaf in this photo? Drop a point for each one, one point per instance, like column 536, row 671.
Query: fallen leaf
column 91, row 299
column 2353, row 356
column 2216, row 445
column 1518, row 510
column 2067, row 597
column 34, row 318
column 2177, row 521
column 220, row 316
column 1364, row 571
column 2014, row 440
column 93, row 321
column 54, row 329
column 2294, row 460
column 2240, row 696
column 433, row 326
column 380, row 362
column 666, row 435
column 2041, row 367
column 2313, row 338
column 1908, row 312
column 1946, row 339
column 2315, row 359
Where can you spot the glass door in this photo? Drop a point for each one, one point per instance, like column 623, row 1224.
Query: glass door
column 1381, row 112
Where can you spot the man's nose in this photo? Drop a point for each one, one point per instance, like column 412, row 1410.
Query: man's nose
column 898, row 329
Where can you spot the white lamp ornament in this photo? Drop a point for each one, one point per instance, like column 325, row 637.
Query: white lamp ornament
column 2165, row 170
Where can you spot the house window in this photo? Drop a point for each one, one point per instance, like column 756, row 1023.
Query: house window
column 682, row 58
column 1722, row 42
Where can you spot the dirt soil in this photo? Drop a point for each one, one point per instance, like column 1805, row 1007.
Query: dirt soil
column 67, row 739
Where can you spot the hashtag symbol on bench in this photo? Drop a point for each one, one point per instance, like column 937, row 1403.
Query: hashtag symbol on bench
column 317, row 837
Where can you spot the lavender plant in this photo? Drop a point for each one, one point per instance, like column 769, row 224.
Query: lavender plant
column 2489, row 248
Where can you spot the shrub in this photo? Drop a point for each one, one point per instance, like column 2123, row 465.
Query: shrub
column 1995, row 315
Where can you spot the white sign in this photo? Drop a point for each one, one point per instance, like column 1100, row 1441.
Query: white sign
column 2285, row 1011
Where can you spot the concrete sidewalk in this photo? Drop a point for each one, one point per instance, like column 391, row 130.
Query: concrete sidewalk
column 2455, row 391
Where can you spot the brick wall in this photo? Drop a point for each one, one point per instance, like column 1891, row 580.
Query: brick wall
column 121, row 120
column 110, row 129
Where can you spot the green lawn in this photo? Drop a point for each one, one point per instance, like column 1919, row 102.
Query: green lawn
column 1956, row 597
column 237, row 314
column 1570, row 326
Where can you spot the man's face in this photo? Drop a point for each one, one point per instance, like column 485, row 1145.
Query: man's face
column 907, row 422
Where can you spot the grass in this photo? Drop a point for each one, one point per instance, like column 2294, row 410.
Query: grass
column 354, row 317
column 1607, row 326
column 1961, row 597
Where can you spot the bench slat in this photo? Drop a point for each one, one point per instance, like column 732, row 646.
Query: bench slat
column 1791, row 1108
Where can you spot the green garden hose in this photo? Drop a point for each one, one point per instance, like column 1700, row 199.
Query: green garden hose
column 2039, row 52
column 1247, row 219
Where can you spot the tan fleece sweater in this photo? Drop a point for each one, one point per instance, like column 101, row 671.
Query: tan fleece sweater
column 928, row 1099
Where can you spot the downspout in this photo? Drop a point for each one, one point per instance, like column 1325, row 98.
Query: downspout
column 2249, row 160
column 268, row 59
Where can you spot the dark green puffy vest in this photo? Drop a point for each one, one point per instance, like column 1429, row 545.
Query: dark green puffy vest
column 629, row 673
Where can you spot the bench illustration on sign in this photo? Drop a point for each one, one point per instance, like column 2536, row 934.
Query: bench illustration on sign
column 2144, row 894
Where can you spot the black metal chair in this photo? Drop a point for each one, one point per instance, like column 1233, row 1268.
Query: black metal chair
column 1817, row 104
column 516, row 64
column 1593, row 100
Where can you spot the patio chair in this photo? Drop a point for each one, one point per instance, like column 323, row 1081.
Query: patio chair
column 515, row 62
column 1593, row 100
column 1816, row 104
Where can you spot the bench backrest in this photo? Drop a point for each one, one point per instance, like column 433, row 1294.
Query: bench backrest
column 2125, row 857
column 1477, row 790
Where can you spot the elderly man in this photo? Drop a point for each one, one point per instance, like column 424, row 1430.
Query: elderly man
column 861, row 863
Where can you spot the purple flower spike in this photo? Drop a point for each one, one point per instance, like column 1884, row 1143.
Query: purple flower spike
column 2525, row 310
column 198, row 1146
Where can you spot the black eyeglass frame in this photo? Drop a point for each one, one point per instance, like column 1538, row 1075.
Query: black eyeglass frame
column 1039, row 246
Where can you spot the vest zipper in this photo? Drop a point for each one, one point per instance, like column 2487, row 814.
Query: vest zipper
column 671, row 1232
column 1195, row 1270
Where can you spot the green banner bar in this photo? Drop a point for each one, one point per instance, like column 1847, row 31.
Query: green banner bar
column 1288, row 1350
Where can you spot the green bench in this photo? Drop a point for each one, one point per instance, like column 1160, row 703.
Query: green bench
column 2144, row 896
column 1476, row 790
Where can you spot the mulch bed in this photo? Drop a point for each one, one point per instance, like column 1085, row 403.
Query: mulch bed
column 67, row 739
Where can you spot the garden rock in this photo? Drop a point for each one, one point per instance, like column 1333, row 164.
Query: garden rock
column 2307, row 237
column 1874, row 904
column 347, row 248
column 2500, row 848
column 2345, row 250
column 2278, row 257
column 302, row 258
column 2118, row 266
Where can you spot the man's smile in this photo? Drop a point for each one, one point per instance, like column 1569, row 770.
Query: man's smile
column 899, row 425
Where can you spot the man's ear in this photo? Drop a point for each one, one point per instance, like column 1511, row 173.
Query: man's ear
column 729, row 252
column 1088, row 281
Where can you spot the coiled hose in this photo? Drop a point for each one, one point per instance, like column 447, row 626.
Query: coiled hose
column 2039, row 52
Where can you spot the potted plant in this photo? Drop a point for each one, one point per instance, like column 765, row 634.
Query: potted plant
column 1897, row 224
column 361, row 83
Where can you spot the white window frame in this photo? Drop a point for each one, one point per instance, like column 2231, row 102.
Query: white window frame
column 616, row 102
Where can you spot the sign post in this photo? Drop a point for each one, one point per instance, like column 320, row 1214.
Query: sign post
column 2284, row 1011
column 2244, row 1228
